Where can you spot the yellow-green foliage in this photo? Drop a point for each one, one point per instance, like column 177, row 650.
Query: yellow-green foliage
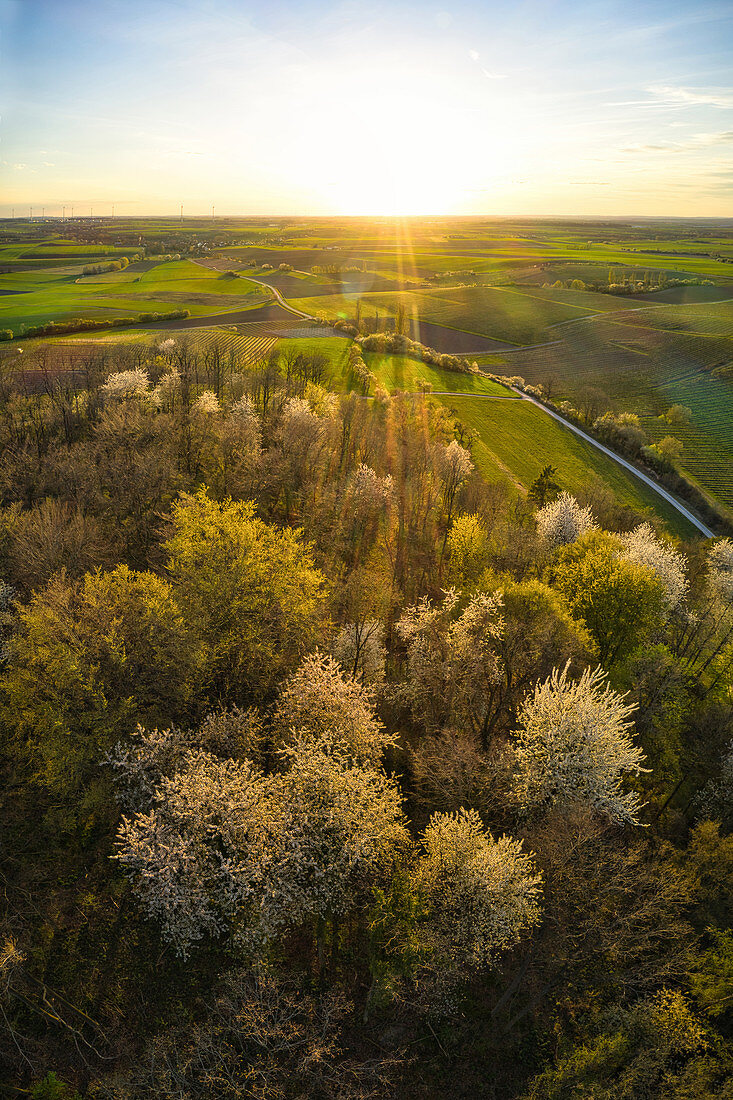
column 90, row 661
column 467, row 546
column 620, row 602
column 250, row 589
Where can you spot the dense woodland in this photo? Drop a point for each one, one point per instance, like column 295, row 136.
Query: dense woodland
column 331, row 770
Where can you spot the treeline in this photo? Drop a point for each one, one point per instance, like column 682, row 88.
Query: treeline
column 623, row 433
column 88, row 324
column 623, row 282
column 108, row 265
column 334, row 771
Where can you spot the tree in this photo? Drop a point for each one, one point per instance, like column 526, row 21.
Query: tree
column 89, row 661
column 620, row 601
column 544, row 488
column 251, row 591
column 226, row 848
column 359, row 649
column 51, row 536
column 644, row 548
column 321, row 703
column 539, row 635
column 454, row 466
column 563, row 521
column 720, row 568
column 452, row 666
column 468, row 544
column 657, row 1047
column 481, row 894
column 127, row 384
column 573, row 745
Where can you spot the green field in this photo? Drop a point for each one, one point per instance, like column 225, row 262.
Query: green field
column 35, row 297
column 645, row 362
column 516, row 440
column 489, row 278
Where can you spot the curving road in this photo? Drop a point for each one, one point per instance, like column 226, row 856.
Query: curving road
column 648, row 481
column 279, row 298
column 673, row 501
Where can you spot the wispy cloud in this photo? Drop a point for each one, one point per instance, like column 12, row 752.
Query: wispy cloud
column 488, row 73
column 697, row 141
column 693, row 97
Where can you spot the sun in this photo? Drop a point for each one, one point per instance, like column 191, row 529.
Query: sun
column 387, row 191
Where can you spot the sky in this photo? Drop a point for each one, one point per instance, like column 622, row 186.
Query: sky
column 525, row 107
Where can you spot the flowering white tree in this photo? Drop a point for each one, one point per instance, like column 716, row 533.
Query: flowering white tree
column 452, row 667
column 201, row 857
column 720, row 569
column 168, row 388
column 244, row 414
column 226, row 848
column 574, row 745
column 562, row 521
column 482, row 894
column 345, row 828
column 369, row 492
column 298, row 421
column 140, row 764
column 454, row 466
column 643, row 547
column 207, row 403
column 323, row 704
column 359, row 649
column 127, row 384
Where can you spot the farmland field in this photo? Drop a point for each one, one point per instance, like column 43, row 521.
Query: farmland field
column 518, row 439
column 528, row 297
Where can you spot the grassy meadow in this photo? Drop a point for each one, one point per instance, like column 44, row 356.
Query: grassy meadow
column 519, row 296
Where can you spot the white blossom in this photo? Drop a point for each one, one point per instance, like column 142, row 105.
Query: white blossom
column 720, row 569
column 180, row 854
column 454, row 462
column 562, row 521
column 644, row 548
column 369, row 492
column 482, row 893
column 359, row 649
column 127, row 383
column 574, row 745
column 207, row 402
column 226, row 848
column 139, row 765
column 245, row 424
column 452, row 666
column 322, row 703
column 168, row 386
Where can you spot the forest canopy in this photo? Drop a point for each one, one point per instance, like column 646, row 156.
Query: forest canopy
column 332, row 769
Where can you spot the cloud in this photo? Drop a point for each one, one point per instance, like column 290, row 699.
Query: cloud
column 692, row 97
column 697, row 141
column 475, row 57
